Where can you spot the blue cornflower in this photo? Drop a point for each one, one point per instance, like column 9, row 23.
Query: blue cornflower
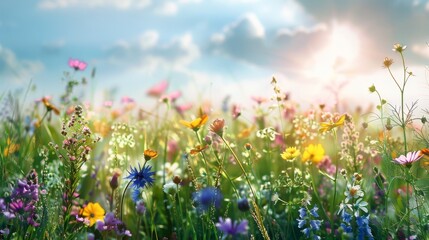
column 207, row 197
column 229, row 227
column 141, row 176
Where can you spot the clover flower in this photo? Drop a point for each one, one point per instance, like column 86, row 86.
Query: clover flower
column 139, row 177
column 229, row 227
column 409, row 158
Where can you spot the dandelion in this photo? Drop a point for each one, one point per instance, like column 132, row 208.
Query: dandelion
column 290, row 153
column 93, row 212
column 150, row 154
column 139, row 177
column 409, row 158
column 325, row 127
column 77, row 64
column 229, row 227
column 195, row 124
column 313, row 153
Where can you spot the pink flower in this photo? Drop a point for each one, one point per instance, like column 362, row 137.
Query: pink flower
column 158, row 89
column 108, row 104
column 259, row 100
column 183, row 108
column 77, row 64
column 126, row 100
column 409, row 159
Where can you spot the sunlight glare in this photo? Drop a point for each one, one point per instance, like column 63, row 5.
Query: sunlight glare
column 337, row 54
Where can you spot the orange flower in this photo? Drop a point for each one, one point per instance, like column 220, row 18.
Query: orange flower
column 149, row 154
column 93, row 212
column 198, row 149
column 10, row 148
column 195, row 124
column 49, row 106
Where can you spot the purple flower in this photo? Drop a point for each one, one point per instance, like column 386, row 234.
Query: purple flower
column 207, row 197
column 229, row 227
column 112, row 224
column 77, row 64
column 409, row 159
column 140, row 208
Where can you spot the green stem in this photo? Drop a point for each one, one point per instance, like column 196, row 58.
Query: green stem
column 204, row 158
column 122, row 198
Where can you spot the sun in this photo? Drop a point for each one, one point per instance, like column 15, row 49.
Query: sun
column 338, row 52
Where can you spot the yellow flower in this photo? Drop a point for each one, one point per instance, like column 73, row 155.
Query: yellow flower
column 195, row 124
column 93, row 212
column 149, row 154
column 325, row 127
column 313, row 153
column 10, row 148
column 49, row 106
column 387, row 62
column 290, row 153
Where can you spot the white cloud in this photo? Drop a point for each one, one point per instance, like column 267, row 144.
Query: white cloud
column 148, row 54
column 120, row 4
column 421, row 49
column 15, row 70
column 167, row 9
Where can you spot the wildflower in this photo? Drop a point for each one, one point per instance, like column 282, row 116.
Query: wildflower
column 248, row 146
column 325, row 127
column 49, row 106
column 170, row 188
column 309, row 222
column 77, row 64
column 112, row 224
column 243, row 205
column 363, row 228
column 140, row 208
column 259, row 100
column 10, row 148
column 195, row 124
column 409, row 159
column 387, row 62
column 141, row 176
column 207, row 197
column 398, row 48
column 229, row 227
column 290, row 153
column 198, row 149
column 313, row 153
column 136, row 195
column 353, row 192
column 158, row 89
column 217, row 126
column 114, row 181
column 236, row 111
column 93, row 212
column 150, row 154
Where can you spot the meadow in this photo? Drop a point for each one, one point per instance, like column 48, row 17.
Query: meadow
column 73, row 169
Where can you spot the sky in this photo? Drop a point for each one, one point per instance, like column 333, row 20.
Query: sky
column 319, row 51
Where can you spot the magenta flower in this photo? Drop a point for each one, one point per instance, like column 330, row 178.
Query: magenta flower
column 409, row 159
column 158, row 89
column 77, row 64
